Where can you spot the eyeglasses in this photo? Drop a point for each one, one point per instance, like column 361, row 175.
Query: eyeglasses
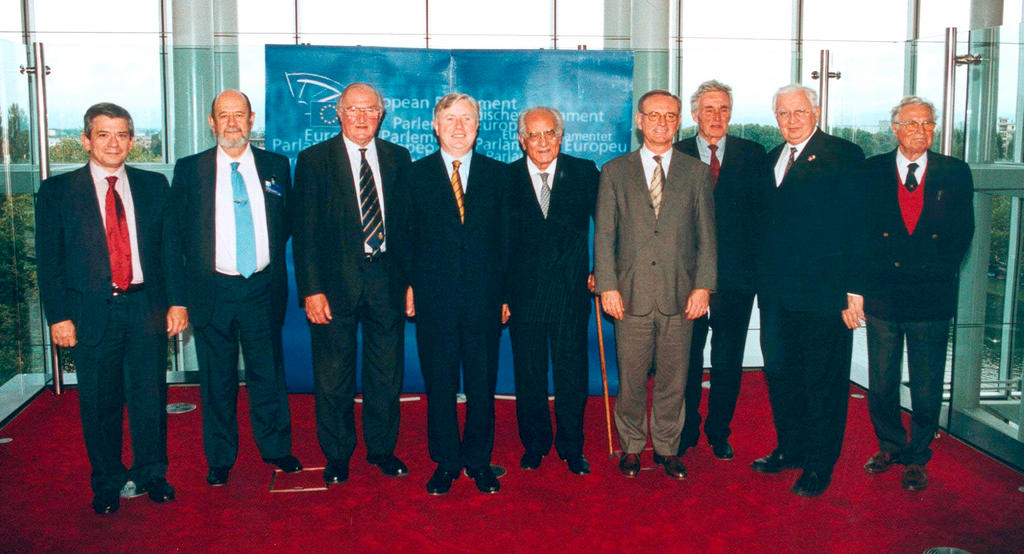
column 550, row 134
column 915, row 126
column 653, row 117
column 354, row 112
column 796, row 114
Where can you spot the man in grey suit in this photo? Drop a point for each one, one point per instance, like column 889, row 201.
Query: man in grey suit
column 655, row 267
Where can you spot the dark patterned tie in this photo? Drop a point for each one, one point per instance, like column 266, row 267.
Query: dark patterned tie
column 457, row 190
column 911, row 181
column 373, row 224
column 716, row 165
column 792, row 160
column 119, row 244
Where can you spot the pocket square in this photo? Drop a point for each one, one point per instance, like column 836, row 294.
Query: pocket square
column 272, row 187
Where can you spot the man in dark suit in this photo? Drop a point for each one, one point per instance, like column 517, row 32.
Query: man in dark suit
column 552, row 202
column 654, row 266
column 452, row 239
column 805, row 276
column 345, row 277
column 232, row 201
column 920, row 220
column 738, row 173
column 109, row 265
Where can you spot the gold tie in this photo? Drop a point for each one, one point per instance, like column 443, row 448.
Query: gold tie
column 656, row 184
column 457, row 189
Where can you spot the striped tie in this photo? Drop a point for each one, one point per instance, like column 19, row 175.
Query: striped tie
column 656, row 184
column 460, row 199
column 369, row 205
column 545, row 194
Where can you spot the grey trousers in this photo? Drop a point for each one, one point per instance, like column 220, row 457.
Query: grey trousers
column 641, row 342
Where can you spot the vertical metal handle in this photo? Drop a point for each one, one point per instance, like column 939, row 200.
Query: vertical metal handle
column 823, row 76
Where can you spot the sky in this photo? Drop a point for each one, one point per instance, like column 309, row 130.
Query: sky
column 744, row 43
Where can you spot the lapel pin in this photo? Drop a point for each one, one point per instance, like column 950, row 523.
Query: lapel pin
column 811, row 158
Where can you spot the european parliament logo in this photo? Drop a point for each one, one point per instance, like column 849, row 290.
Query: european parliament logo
column 319, row 94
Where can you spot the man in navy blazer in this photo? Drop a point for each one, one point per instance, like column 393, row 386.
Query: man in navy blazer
column 806, row 273
column 111, row 283
column 919, row 222
column 738, row 173
column 232, row 204
column 552, row 204
column 347, row 279
column 452, row 242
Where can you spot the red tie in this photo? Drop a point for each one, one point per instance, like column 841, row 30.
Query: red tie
column 716, row 166
column 118, row 243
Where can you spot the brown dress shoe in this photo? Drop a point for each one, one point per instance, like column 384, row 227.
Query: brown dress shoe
column 674, row 467
column 915, row 478
column 629, row 465
column 879, row 463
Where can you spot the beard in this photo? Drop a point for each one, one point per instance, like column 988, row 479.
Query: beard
column 225, row 142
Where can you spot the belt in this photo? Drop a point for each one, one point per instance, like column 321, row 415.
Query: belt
column 132, row 289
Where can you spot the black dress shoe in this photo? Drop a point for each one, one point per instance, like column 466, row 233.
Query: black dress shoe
column 389, row 464
column 106, row 503
column 722, row 450
column 811, row 484
column 336, row 472
column 629, row 465
column 486, row 481
column 578, row 464
column 530, row 460
column 287, row 464
column 218, row 476
column 775, row 462
column 441, row 481
column 160, row 490
column 674, row 467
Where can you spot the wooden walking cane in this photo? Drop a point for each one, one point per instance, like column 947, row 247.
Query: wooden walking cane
column 604, row 375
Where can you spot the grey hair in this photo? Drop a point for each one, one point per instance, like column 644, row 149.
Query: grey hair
column 559, row 121
column 709, row 86
column 453, row 98
column 811, row 95
column 368, row 86
column 911, row 101
column 110, row 110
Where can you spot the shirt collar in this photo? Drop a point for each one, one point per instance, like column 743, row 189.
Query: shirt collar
column 225, row 158
column 534, row 170
column 99, row 174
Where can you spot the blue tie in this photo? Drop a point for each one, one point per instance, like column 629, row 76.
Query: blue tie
column 245, row 232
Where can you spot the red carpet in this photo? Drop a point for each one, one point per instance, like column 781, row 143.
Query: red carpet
column 973, row 502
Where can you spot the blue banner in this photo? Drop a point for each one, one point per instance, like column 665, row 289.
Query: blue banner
column 592, row 89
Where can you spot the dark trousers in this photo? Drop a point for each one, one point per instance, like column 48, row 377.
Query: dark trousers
column 809, row 387
column 926, row 362
column 569, row 366
column 127, row 367
column 729, row 318
column 443, row 350
column 334, row 371
column 242, row 313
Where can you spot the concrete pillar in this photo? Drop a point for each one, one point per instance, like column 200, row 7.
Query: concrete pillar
column 617, row 24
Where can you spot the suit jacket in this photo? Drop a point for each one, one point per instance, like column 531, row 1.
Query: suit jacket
column 194, row 184
column 73, row 261
column 328, row 232
column 914, row 277
column 810, row 230
column 739, row 207
column 654, row 262
column 457, row 270
column 549, row 259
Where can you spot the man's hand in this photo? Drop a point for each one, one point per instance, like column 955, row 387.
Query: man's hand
column 505, row 314
column 177, row 320
column 611, row 303
column 318, row 310
column 697, row 303
column 410, row 305
column 63, row 334
column 853, row 315
column 590, row 283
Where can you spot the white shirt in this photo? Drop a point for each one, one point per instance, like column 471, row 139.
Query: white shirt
column 224, row 212
column 99, row 182
column 354, row 160
column 538, row 183
column 902, row 164
column 463, row 169
column 647, row 159
column 780, row 164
